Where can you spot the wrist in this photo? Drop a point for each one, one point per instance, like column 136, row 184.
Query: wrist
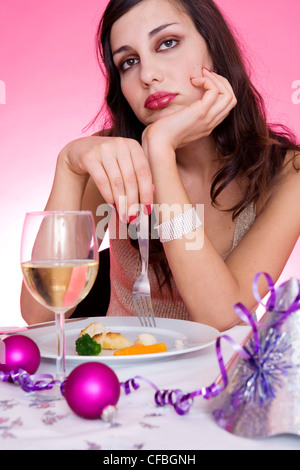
column 68, row 169
column 179, row 226
column 158, row 150
column 155, row 138
column 68, row 187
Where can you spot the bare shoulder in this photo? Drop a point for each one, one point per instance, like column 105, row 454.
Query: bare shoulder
column 289, row 180
column 270, row 241
column 292, row 163
column 103, row 133
column 286, row 191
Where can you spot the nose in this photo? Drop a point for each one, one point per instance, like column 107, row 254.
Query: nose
column 150, row 71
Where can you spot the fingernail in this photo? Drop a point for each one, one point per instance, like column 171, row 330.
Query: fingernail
column 205, row 68
column 131, row 219
column 147, row 209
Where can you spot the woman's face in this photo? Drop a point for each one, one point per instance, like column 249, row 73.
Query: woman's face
column 157, row 51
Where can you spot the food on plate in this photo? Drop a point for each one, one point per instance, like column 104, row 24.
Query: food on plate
column 94, row 328
column 179, row 344
column 141, row 349
column 87, row 346
column 95, row 337
column 112, row 340
column 100, row 336
column 146, row 339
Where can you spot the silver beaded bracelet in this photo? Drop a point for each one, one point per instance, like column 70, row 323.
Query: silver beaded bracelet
column 178, row 226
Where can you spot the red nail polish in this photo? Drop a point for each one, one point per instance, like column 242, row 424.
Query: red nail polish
column 205, row 68
column 132, row 219
column 147, row 209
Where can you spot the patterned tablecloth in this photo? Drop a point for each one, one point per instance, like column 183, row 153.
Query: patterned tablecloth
column 30, row 423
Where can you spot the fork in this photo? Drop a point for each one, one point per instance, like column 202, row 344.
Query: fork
column 141, row 289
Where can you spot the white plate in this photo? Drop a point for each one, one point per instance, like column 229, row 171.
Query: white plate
column 192, row 336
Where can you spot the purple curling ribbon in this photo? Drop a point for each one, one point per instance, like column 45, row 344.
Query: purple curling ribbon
column 176, row 398
column 271, row 303
column 30, row 383
column 182, row 401
column 272, row 299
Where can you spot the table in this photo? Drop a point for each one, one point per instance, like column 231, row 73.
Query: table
column 139, row 424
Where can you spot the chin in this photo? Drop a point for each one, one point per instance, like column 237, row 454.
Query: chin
column 159, row 114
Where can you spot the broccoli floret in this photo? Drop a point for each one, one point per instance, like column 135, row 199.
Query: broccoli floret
column 87, row 346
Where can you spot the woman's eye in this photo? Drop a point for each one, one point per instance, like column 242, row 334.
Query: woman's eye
column 127, row 64
column 169, row 44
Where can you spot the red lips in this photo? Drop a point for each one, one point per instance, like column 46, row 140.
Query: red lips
column 159, row 100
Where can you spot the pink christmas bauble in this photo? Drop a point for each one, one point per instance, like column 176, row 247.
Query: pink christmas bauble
column 21, row 352
column 90, row 388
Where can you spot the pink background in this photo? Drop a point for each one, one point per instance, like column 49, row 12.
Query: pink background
column 50, row 88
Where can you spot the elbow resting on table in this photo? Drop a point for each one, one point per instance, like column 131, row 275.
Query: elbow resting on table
column 222, row 320
column 223, row 324
column 33, row 312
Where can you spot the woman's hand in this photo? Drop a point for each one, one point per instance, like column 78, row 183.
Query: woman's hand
column 197, row 120
column 118, row 167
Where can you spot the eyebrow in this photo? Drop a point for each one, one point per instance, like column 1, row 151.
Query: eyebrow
column 151, row 35
column 159, row 29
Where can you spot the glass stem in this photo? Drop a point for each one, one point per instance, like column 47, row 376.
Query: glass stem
column 60, row 359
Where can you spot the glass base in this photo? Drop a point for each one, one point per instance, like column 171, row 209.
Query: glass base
column 52, row 394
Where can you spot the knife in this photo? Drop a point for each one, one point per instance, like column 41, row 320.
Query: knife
column 37, row 325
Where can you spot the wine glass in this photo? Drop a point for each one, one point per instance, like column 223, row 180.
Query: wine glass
column 59, row 261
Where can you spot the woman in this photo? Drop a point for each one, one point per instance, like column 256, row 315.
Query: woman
column 186, row 128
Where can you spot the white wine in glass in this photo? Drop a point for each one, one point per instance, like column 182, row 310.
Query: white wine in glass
column 59, row 261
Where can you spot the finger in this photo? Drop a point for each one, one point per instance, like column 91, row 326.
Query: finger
column 211, row 91
column 125, row 163
column 221, row 108
column 225, row 101
column 144, row 178
column 99, row 176
column 201, row 108
column 115, row 178
column 193, row 115
column 224, row 81
column 206, row 82
column 221, row 82
column 217, row 113
column 223, row 85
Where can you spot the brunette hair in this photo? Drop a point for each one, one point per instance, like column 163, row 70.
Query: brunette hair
column 247, row 146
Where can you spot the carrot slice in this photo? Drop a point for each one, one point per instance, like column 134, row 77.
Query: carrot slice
column 141, row 349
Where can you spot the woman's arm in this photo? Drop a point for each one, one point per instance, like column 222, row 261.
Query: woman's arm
column 209, row 286
column 89, row 172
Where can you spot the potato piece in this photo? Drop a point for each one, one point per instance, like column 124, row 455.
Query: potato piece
column 94, row 328
column 112, row 340
column 146, row 339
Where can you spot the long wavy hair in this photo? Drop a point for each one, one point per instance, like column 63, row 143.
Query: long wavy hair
column 246, row 144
